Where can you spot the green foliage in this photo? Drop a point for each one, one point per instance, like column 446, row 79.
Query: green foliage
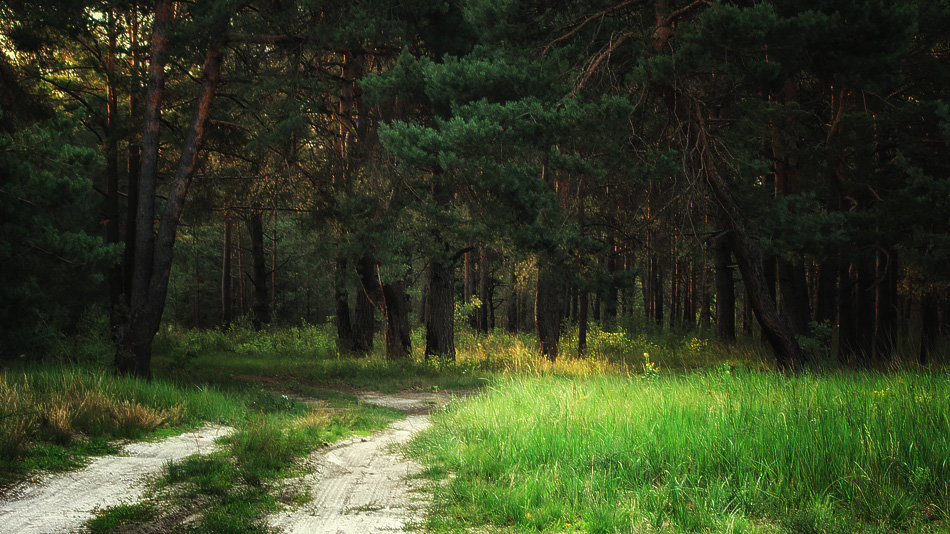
column 50, row 255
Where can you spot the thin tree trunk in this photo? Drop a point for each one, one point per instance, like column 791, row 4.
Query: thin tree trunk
column 226, row 276
column 847, row 322
column 261, row 306
column 583, row 299
column 111, row 206
column 865, row 308
column 134, row 163
column 826, row 292
column 483, row 274
column 885, row 331
column 929, row 327
column 725, row 290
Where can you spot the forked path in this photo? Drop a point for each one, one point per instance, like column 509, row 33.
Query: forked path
column 64, row 502
column 364, row 485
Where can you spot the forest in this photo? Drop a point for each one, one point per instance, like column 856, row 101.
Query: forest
column 589, row 266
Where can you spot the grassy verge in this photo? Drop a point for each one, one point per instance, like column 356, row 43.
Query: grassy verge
column 724, row 451
column 53, row 417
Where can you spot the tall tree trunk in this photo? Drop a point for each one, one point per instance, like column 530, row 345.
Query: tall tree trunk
column 468, row 278
column 512, row 322
column 134, row 339
column 261, row 306
column 548, row 307
column 226, row 276
column 847, row 322
column 583, row 299
column 134, row 162
column 341, row 298
column 674, row 292
column 826, row 292
column 725, row 290
column 111, row 207
column 929, row 327
column 865, row 307
column 885, row 330
column 440, row 311
column 364, row 328
column 483, row 274
column 392, row 301
column 398, row 340
column 791, row 278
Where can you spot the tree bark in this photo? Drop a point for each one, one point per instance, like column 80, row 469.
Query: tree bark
column 341, row 298
column 483, row 289
column 153, row 256
column 364, row 329
column 826, row 292
column 583, row 299
column 885, row 330
column 929, row 327
column 440, row 312
column 398, row 340
column 865, row 308
column 791, row 281
column 725, row 290
column 548, row 308
column 261, row 306
column 227, row 299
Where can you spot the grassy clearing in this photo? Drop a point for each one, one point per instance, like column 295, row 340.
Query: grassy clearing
column 727, row 451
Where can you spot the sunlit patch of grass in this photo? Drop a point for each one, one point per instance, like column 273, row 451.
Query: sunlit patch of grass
column 726, row 451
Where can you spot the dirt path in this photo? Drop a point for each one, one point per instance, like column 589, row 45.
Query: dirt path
column 63, row 502
column 364, row 485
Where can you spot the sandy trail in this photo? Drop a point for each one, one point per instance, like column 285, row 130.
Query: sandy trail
column 363, row 485
column 64, row 502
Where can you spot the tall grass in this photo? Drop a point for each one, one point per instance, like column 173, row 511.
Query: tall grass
column 723, row 451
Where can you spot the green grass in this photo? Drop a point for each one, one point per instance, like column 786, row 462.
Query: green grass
column 729, row 451
column 53, row 417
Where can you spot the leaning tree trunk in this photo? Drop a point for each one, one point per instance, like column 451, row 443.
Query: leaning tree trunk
column 548, row 308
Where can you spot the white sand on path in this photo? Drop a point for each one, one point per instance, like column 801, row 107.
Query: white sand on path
column 364, row 485
column 63, row 502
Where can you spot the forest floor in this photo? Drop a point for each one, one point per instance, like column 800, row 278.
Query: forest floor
column 63, row 502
